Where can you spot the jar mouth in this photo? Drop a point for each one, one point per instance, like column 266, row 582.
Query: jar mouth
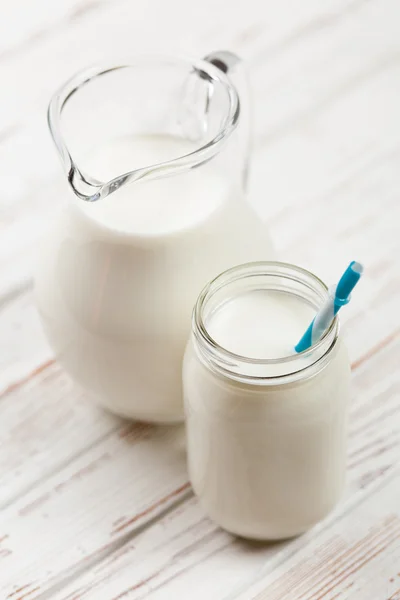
column 291, row 275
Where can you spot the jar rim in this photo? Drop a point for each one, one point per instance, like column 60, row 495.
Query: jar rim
column 264, row 268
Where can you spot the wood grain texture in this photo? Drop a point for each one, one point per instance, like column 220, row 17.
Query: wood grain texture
column 179, row 551
column 339, row 563
column 94, row 508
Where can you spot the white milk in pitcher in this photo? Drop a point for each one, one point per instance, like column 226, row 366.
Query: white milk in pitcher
column 165, row 206
column 118, row 277
column 266, row 428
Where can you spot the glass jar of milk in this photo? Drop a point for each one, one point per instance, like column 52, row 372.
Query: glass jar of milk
column 155, row 154
column 266, row 427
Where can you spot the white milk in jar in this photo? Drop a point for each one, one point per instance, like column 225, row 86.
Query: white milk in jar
column 118, row 278
column 266, row 427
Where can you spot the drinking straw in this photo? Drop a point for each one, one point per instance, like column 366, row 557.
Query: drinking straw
column 339, row 295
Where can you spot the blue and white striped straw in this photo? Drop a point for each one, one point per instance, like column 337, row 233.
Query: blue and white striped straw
column 339, row 295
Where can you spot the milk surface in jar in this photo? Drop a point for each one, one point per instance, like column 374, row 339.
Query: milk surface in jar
column 118, row 278
column 266, row 427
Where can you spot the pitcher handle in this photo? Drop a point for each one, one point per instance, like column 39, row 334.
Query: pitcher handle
column 232, row 66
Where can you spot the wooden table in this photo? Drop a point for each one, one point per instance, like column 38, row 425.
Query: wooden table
column 96, row 508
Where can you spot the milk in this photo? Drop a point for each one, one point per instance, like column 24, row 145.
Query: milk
column 118, row 278
column 261, row 324
column 266, row 457
column 162, row 207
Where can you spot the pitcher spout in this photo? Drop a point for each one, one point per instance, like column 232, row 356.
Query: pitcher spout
column 102, row 104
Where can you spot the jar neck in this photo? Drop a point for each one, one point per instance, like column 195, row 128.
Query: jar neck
column 266, row 276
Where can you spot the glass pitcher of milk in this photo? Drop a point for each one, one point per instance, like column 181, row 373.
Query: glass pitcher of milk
column 156, row 156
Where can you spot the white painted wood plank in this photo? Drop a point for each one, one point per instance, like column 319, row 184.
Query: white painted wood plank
column 359, row 558
column 26, row 351
column 298, row 69
column 23, row 347
column 46, row 422
column 318, row 78
column 298, row 217
column 359, row 220
column 371, row 238
column 55, row 417
column 24, row 23
column 185, row 551
column 328, row 218
column 88, row 508
column 368, row 315
column 118, row 479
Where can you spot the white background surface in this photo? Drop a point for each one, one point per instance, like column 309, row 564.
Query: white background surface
column 92, row 507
